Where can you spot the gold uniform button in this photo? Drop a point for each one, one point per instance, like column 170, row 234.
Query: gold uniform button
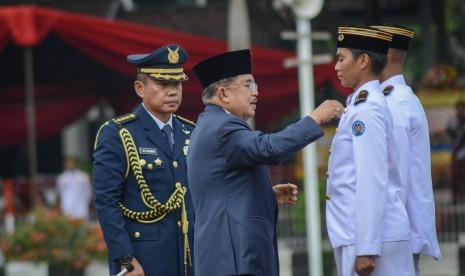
column 188, row 141
column 142, row 162
column 337, row 129
column 150, row 166
column 137, row 234
column 345, row 109
column 328, row 197
column 175, row 164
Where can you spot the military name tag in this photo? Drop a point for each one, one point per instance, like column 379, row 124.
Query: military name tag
column 152, row 151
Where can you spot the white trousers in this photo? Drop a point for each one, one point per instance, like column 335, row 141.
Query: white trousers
column 395, row 259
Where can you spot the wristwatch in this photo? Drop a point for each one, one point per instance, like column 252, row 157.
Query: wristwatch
column 125, row 259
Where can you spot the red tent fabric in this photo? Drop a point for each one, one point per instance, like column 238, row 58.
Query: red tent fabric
column 109, row 42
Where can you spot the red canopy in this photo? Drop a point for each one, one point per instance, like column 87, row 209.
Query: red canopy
column 61, row 101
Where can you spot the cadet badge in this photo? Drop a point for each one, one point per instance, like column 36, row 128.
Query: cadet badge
column 358, row 128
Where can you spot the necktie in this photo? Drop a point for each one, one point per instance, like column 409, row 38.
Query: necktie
column 167, row 132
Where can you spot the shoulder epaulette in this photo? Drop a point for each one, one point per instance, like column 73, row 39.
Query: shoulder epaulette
column 361, row 97
column 387, row 90
column 124, row 118
column 184, row 120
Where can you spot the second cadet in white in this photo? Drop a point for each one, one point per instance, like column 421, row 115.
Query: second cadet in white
column 366, row 219
column 412, row 140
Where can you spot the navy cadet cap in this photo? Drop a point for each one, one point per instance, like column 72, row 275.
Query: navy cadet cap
column 226, row 65
column 401, row 36
column 363, row 38
column 164, row 63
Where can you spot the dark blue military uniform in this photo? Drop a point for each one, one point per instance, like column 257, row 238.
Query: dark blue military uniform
column 141, row 191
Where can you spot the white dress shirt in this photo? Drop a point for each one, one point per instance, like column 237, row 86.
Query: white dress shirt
column 364, row 192
column 412, row 139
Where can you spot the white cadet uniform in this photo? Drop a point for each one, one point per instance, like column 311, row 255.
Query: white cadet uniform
column 75, row 191
column 364, row 207
column 412, row 140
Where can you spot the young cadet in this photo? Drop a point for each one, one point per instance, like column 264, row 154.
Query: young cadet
column 412, row 140
column 366, row 219
column 140, row 175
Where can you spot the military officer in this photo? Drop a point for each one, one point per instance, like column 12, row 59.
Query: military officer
column 412, row 140
column 141, row 189
column 366, row 220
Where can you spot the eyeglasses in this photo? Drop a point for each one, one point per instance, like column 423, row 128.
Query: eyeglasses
column 253, row 86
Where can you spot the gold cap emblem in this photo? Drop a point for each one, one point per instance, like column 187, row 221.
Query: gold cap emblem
column 173, row 56
column 340, row 37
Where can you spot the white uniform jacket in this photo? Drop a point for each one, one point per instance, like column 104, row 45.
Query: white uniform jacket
column 364, row 206
column 412, row 139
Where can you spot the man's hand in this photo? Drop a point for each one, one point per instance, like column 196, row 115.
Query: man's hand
column 285, row 193
column 328, row 110
column 364, row 265
column 138, row 270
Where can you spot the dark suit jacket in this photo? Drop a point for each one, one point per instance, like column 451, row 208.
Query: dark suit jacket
column 157, row 246
column 236, row 209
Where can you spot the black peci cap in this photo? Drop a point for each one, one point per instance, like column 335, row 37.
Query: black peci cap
column 401, row 36
column 364, row 38
column 163, row 64
column 226, row 65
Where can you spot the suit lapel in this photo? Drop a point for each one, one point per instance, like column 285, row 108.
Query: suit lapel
column 180, row 137
column 153, row 132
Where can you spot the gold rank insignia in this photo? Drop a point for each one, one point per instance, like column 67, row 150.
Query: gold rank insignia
column 388, row 90
column 158, row 162
column 188, row 141
column 173, row 56
column 361, row 97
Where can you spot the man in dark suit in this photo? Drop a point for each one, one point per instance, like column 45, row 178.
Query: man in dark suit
column 140, row 176
column 236, row 207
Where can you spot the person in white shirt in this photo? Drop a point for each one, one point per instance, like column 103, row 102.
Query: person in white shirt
column 366, row 219
column 74, row 190
column 412, row 140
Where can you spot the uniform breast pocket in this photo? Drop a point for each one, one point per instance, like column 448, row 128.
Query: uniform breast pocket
column 142, row 231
